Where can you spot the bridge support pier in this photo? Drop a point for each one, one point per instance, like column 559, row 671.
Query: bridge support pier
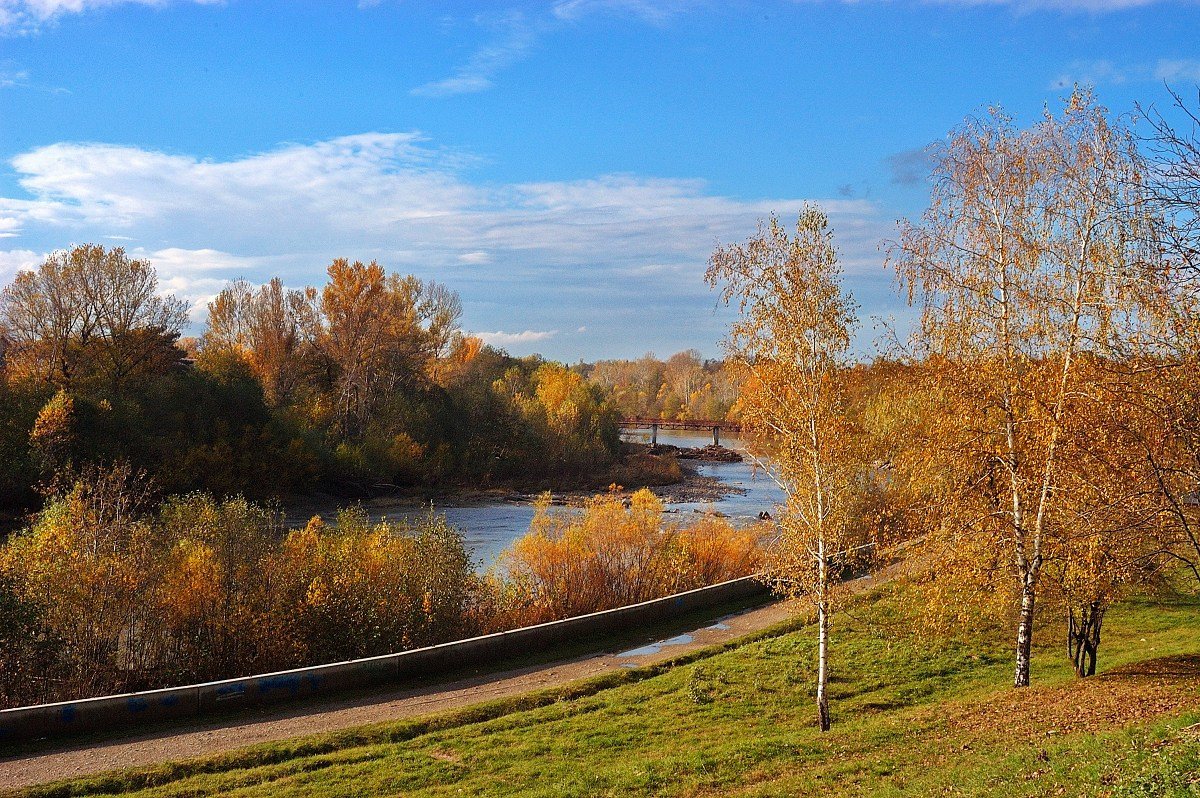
column 716, row 436
column 654, row 435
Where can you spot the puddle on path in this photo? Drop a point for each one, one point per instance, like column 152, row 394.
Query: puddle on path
column 654, row 648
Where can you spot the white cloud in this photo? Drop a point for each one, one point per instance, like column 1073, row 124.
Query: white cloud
column 27, row 16
column 654, row 11
column 371, row 181
column 479, row 258
column 504, row 339
column 15, row 260
column 477, row 73
column 11, row 77
column 385, row 193
column 1106, row 73
column 1179, row 69
column 551, row 255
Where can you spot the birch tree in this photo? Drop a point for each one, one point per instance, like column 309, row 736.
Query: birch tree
column 1025, row 262
column 792, row 337
column 1167, row 395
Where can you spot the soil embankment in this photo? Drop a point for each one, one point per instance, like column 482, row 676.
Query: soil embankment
column 198, row 739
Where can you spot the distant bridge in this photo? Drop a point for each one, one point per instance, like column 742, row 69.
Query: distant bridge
column 655, row 424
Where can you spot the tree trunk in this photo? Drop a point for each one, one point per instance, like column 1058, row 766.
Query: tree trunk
column 822, row 640
column 1025, row 632
column 1083, row 637
column 822, row 667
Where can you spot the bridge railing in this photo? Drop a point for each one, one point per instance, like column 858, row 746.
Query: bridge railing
column 655, row 424
column 675, row 423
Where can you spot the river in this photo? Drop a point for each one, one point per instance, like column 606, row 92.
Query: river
column 490, row 526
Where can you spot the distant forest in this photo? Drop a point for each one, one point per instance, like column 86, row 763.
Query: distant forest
column 362, row 385
column 684, row 386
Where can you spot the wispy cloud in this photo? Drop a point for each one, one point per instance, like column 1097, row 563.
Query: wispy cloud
column 477, row 74
column 370, row 190
column 1031, row 6
column 478, row 258
column 11, row 77
column 14, row 77
column 1094, row 73
column 518, row 32
column 1106, row 73
column 28, row 16
column 653, row 11
column 608, row 253
column 1180, row 69
column 504, row 339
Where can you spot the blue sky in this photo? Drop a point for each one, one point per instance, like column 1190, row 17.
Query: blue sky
column 565, row 165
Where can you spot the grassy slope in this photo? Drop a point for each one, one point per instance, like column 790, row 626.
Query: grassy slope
column 911, row 717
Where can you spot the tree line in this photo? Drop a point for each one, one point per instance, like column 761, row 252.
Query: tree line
column 682, row 387
column 1033, row 443
column 363, row 385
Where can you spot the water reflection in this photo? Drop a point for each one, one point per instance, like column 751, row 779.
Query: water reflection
column 489, row 528
column 761, row 492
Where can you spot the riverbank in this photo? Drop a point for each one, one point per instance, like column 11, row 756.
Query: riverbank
column 691, row 487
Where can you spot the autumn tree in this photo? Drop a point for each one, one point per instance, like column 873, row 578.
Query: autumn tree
column 53, row 435
column 683, row 386
column 380, row 333
column 1112, row 541
column 274, row 327
column 89, row 313
column 1022, row 266
column 793, row 338
column 1165, row 393
column 87, row 565
column 612, row 555
column 1174, row 182
column 574, row 427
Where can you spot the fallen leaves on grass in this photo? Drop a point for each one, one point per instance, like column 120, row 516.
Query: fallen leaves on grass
column 1117, row 698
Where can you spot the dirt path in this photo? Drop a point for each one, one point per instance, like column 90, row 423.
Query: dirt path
column 202, row 738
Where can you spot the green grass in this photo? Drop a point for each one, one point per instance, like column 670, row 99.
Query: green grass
column 911, row 716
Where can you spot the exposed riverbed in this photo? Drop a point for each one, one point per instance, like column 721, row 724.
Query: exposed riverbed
column 739, row 491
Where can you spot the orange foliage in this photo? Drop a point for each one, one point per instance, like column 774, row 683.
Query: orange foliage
column 609, row 555
column 123, row 598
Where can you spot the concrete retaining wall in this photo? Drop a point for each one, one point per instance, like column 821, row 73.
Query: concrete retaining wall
column 123, row 712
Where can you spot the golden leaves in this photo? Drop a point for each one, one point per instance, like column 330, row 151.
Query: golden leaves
column 613, row 552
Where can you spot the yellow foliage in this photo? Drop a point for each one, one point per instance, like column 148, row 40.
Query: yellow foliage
column 609, row 554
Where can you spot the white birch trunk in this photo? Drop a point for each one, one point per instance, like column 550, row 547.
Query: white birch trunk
column 822, row 637
column 1025, row 631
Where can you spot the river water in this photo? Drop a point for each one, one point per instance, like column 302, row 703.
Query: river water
column 489, row 527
